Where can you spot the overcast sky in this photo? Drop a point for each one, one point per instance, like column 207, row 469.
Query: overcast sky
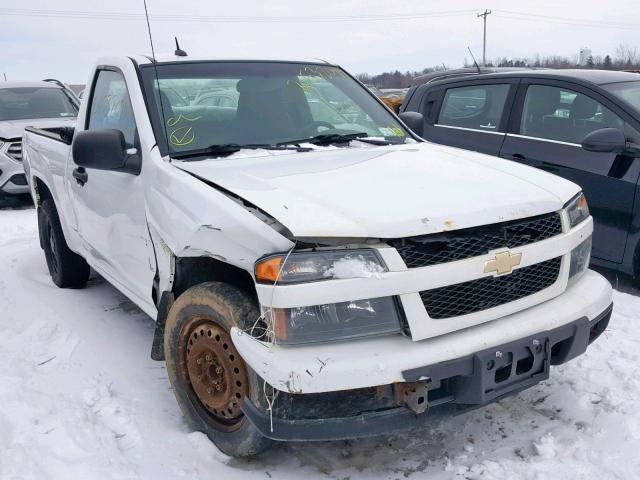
column 34, row 47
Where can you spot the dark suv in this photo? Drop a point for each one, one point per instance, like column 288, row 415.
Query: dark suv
column 583, row 125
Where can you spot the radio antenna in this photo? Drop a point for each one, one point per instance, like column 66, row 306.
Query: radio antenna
column 474, row 60
column 179, row 52
column 155, row 68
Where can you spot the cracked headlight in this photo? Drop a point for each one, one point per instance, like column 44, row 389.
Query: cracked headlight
column 301, row 267
column 336, row 321
column 578, row 209
column 580, row 257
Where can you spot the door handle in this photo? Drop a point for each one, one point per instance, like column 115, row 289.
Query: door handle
column 81, row 175
column 519, row 157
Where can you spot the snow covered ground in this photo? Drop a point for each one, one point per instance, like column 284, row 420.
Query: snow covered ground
column 81, row 399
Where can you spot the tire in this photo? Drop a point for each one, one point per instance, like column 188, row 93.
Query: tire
column 67, row 269
column 197, row 329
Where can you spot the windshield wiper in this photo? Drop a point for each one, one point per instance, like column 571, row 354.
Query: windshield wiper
column 327, row 139
column 225, row 149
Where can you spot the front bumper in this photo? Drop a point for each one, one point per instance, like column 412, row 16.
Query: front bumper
column 459, row 385
column 12, row 177
column 368, row 362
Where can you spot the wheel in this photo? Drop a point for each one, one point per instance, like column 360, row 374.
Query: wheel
column 67, row 269
column 209, row 378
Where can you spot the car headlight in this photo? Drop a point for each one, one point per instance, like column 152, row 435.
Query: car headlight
column 580, row 257
column 300, row 267
column 337, row 321
column 578, row 209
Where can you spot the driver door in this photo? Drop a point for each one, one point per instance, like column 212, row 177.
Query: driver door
column 111, row 206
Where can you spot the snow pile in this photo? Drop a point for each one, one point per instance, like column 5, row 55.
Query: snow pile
column 354, row 267
column 80, row 398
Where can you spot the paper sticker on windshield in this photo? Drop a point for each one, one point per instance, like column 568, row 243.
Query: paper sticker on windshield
column 391, row 131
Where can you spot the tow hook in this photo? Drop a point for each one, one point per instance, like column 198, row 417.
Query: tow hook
column 413, row 396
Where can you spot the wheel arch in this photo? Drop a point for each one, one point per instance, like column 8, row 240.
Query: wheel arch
column 191, row 271
column 42, row 190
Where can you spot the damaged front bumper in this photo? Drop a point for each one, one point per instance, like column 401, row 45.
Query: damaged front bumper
column 368, row 362
column 428, row 393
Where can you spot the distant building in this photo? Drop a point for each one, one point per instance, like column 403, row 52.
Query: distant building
column 585, row 55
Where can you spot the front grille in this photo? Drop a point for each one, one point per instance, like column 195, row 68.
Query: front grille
column 488, row 292
column 14, row 150
column 445, row 247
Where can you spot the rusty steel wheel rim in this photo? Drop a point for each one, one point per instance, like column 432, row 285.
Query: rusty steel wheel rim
column 216, row 372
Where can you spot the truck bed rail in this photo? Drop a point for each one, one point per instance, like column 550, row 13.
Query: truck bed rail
column 59, row 134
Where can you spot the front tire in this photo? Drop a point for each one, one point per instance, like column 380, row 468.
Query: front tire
column 67, row 269
column 209, row 378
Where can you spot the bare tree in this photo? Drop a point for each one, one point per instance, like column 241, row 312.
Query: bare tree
column 626, row 56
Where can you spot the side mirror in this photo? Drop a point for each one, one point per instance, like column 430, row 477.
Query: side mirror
column 606, row 140
column 104, row 149
column 413, row 120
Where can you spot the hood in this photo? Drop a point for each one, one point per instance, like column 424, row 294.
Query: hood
column 10, row 129
column 385, row 192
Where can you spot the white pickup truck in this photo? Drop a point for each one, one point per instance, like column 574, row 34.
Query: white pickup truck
column 316, row 270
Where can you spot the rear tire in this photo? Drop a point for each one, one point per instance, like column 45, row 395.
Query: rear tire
column 67, row 269
column 209, row 378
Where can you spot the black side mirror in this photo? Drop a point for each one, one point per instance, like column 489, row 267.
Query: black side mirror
column 606, row 140
column 104, row 149
column 413, row 120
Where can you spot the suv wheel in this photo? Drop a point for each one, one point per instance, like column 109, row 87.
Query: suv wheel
column 209, row 378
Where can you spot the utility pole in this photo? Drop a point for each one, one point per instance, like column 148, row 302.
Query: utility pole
column 484, row 38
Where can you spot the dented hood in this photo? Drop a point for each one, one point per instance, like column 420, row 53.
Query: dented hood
column 385, row 192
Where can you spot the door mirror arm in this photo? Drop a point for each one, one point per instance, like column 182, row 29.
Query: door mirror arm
column 132, row 162
column 632, row 149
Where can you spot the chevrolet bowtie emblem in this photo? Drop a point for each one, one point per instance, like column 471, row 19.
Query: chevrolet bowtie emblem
column 502, row 263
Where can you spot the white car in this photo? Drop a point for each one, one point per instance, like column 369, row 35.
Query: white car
column 311, row 282
column 43, row 104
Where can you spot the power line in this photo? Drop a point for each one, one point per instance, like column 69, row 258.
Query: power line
column 95, row 15
column 514, row 15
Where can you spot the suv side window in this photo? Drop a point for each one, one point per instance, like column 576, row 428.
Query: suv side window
column 563, row 115
column 111, row 106
column 479, row 107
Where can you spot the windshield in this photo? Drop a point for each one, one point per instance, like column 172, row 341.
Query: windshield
column 260, row 103
column 627, row 91
column 23, row 103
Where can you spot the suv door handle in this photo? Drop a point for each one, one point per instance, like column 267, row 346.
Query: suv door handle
column 81, row 175
column 518, row 156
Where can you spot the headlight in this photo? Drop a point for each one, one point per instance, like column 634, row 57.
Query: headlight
column 299, row 267
column 578, row 209
column 336, row 321
column 580, row 257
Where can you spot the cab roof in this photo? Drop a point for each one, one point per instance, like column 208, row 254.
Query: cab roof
column 598, row 77
column 165, row 58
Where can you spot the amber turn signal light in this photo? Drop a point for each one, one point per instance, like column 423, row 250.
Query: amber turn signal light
column 268, row 270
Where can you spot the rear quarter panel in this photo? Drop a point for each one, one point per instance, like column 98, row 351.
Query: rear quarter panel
column 45, row 160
